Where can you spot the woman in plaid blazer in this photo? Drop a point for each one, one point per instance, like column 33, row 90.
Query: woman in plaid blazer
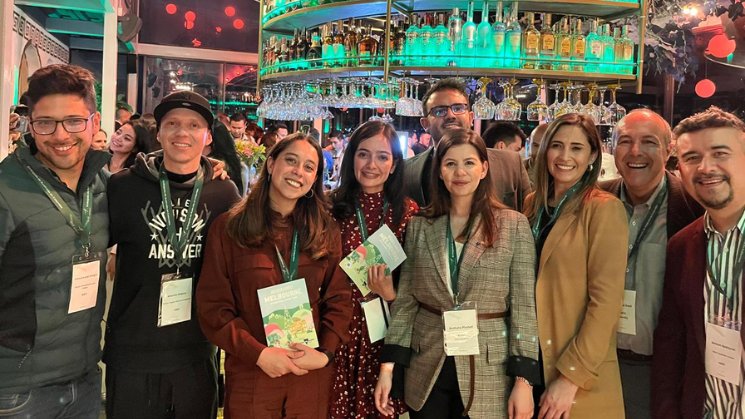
column 496, row 272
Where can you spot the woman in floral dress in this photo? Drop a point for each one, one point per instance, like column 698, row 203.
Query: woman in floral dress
column 370, row 193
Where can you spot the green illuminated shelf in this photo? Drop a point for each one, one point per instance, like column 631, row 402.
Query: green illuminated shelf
column 317, row 15
column 324, row 73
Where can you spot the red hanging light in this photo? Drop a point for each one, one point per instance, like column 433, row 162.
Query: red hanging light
column 190, row 16
column 230, row 11
column 705, row 88
column 171, row 9
column 721, row 46
column 238, row 24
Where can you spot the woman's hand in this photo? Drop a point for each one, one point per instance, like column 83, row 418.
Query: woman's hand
column 520, row 405
column 380, row 283
column 218, row 169
column 383, row 389
column 558, row 399
column 276, row 362
column 310, row 359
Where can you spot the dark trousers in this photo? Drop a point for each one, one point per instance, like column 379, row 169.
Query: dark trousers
column 636, row 388
column 444, row 402
column 76, row 399
column 188, row 393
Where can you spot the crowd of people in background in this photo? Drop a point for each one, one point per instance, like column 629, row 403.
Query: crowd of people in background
column 530, row 287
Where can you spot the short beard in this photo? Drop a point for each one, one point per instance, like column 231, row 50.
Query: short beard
column 719, row 204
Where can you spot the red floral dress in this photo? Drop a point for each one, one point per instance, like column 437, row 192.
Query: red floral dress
column 358, row 362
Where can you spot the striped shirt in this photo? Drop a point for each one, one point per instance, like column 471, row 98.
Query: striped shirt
column 723, row 399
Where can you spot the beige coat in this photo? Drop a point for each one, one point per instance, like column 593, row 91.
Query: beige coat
column 579, row 294
column 499, row 279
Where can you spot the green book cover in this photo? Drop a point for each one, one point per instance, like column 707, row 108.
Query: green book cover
column 287, row 316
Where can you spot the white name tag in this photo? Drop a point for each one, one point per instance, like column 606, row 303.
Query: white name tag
column 627, row 323
column 723, row 353
column 461, row 334
column 376, row 318
column 175, row 300
column 84, row 287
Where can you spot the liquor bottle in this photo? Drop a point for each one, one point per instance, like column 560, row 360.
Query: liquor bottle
column 412, row 42
column 426, row 42
column 468, row 48
column 282, row 58
column 368, row 48
column 338, row 46
column 315, row 51
column 607, row 65
column 579, row 45
column 627, row 51
column 442, row 42
column 328, row 46
column 513, row 47
column 350, row 44
column 548, row 43
column 301, row 50
column 455, row 34
column 531, row 43
column 484, row 40
column 564, row 50
column 594, row 50
column 499, row 30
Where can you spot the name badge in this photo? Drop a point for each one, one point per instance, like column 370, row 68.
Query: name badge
column 461, row 333
column 86, row 272
column 723, row 353
column 175, row 300
column 377, row 318
column 627, row 323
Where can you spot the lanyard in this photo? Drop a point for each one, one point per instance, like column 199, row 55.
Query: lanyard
column 717, row 282
column 361, row 219
column 181, row 240
column 82, row 226
column 537, row 229
column 454, row 260
column 650, row 217
column 289, row 274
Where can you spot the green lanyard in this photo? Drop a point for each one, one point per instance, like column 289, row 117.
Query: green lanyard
column 179, row 241
column 717, row 282
column 537, row 230
column 82, row 226
column 651, row 216
column 454, row 260
column 289, row 274
column 361, row 219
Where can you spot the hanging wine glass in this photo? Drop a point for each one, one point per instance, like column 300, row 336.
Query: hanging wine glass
column 537, row 110
column 514, row 106
column 555, row 104
column 617, row 111
column 605, row 115
column 484, row 108
column 565, row 106
column 590, row 108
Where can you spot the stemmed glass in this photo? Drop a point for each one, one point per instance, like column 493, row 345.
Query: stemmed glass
column 617, row 111
column 590, row 108
column 551, row 111
column 565, row 106
column 484, row 108
column 605, row 115
column 537, row 110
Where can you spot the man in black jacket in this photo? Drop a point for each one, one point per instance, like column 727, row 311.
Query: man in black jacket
column 658, row 207
column 446, row 106
column 159, row 362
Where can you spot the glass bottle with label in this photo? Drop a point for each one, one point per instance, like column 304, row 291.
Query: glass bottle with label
column 368, row 48
column 350, row 44
column 607, row 65
column 513, row 47
column 301, row 50
column 484, row 38
column 426, row 33
column 399, row 44
column 442, row 42
column 531, row 43
column 468, row 49
column 626, row 61
column 315, row 51
column 412, row 42
column 594, row 48
column 455, row 33
column 548, row 43
column 579, row 45
column 328, row 46
column 564, row 50
column 339, row 50
column 499, row 30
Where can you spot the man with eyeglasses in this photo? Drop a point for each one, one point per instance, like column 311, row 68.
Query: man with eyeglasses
column 446, row 106
column 53, row 235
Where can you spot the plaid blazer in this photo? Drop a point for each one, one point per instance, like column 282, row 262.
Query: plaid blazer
column 499, row 279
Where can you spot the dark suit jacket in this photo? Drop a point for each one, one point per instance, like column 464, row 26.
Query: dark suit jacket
column 508, row 175
column 681, row 208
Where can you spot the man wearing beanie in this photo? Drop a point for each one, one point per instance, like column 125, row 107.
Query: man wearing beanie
column 159, row 362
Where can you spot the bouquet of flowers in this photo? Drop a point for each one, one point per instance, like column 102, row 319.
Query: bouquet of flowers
column 250, row 153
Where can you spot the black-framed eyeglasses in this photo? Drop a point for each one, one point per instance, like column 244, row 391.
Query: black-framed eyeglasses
column 442, row 111
column 49, row 126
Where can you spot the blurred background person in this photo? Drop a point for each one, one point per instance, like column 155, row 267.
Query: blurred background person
column 99, row 140
column 504, row 135
column 131, row 138
column 223, row 148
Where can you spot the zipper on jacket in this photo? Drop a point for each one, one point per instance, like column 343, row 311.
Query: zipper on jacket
column 20, row 364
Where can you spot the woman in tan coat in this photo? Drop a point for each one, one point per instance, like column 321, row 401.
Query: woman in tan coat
column 581, row 235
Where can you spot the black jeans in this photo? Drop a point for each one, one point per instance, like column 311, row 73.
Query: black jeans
column 444, row 402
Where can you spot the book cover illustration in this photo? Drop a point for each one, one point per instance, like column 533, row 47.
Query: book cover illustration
column 381, row 247
column 287, row 316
